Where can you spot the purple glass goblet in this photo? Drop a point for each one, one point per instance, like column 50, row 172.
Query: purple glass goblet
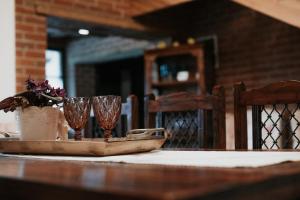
column 77, row 112
column 107, row 110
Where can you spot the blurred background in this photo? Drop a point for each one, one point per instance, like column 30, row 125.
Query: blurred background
column 98, row 47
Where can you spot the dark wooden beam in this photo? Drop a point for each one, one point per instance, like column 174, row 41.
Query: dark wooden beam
column 91, row 17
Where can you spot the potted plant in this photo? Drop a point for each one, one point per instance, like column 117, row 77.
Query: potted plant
column 38, row 112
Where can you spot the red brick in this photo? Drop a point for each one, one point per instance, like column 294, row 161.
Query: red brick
column 23, row 45
column 35, row 54
column 19, row 18
column 22, row 62
column 82, row 5
column 35, row 19
column 19, row 36
column 41, row 47
column 35, row 72
column 24, row 27
column 19, row 53
column 63, row 2
column 24, row 10
column 41, row 29
column 38, row 37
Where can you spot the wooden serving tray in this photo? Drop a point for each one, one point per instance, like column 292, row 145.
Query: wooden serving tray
column 139, row 140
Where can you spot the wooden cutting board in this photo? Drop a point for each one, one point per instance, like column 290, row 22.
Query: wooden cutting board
column 133, row 143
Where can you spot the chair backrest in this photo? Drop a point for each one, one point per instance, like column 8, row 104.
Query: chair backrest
column 129, row 120
column 275, row 115
column 193, row 121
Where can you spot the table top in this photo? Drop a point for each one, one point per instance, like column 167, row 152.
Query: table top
column 28, row 178
column 188, row 158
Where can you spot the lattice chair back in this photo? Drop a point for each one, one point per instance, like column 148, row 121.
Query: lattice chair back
column 129, row 119
column 275, row 115
column 193, row 121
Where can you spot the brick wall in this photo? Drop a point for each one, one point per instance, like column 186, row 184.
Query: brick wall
column 31, row 37
column 253, row 47
column 256, row 49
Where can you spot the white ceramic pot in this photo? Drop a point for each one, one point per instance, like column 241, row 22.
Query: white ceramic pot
column 42, row 123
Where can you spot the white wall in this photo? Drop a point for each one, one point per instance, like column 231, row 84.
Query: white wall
column 7, row 59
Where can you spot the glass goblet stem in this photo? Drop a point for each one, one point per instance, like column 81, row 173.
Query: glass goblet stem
column 77, row 135
column 107, row 134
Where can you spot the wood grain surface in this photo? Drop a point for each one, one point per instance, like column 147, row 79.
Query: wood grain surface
column 91, row 147
column 44, row 179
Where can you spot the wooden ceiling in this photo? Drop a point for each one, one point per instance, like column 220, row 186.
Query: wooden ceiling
column 134, row 22
column 140, row 7
column 117, row 18
column 287, row 11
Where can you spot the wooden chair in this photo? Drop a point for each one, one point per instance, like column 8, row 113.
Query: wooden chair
column 130, row 110
column 129, row 120
column 275, row 115
column 194, row 121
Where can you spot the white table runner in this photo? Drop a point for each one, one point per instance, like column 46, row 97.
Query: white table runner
column 187, row 158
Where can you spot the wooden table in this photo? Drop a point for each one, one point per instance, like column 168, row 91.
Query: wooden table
column 22, row 178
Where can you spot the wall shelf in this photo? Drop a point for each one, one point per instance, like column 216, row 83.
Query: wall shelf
column 162, row 67
column 167, row 84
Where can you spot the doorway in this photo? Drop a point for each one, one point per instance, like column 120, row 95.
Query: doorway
column 122, row 77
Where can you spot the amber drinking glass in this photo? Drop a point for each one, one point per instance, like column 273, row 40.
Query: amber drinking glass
column 107, row 110
column 77, row 112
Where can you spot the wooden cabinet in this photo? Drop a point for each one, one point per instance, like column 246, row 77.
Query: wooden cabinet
column 176, row 69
